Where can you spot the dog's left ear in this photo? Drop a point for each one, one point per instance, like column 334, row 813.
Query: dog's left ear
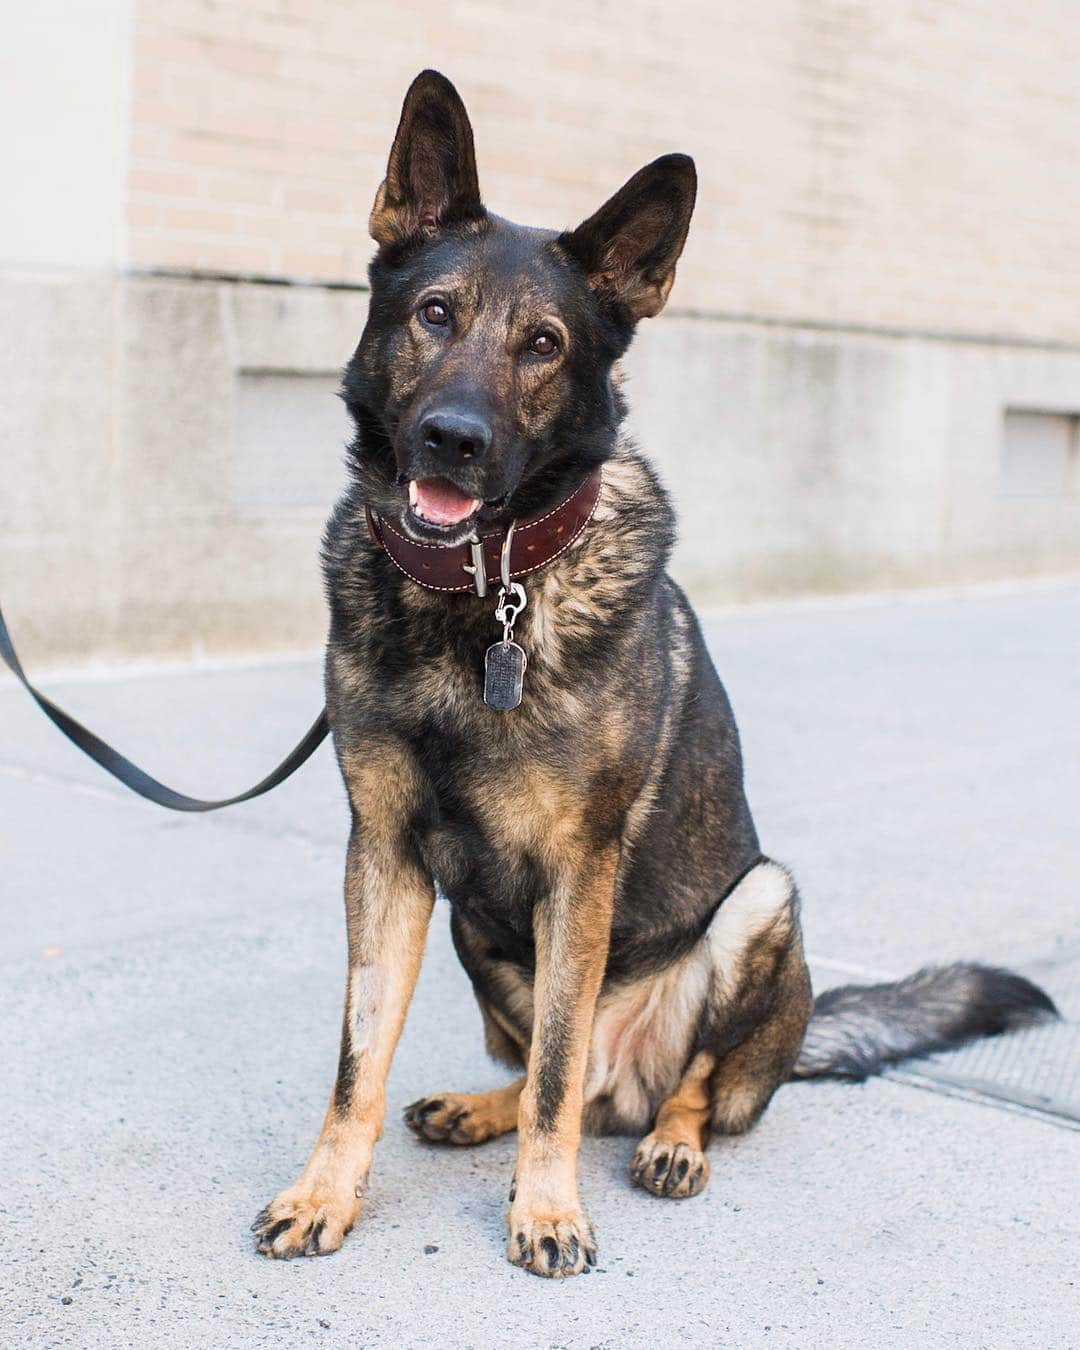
column 629, row 248
column 431, row 177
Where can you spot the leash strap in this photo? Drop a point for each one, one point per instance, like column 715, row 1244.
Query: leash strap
column 130, row 774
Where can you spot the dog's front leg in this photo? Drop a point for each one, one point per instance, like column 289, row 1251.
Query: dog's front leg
column 550, row 1233
column 388, row 899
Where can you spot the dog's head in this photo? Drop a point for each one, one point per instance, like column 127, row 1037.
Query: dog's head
column 482, row 380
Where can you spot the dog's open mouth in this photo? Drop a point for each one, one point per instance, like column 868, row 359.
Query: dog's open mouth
column 437, row 501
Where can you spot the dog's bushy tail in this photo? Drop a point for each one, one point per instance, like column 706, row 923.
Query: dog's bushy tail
column 856, row 1030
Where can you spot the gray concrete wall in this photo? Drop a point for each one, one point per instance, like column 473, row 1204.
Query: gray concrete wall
column 171, row 448
column 806, row 459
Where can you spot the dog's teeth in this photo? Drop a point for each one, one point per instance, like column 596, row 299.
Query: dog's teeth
column 412, row 491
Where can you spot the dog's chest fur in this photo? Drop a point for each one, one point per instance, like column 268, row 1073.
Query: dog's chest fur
column 504, row 792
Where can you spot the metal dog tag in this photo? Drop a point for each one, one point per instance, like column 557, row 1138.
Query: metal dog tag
column 504, row 672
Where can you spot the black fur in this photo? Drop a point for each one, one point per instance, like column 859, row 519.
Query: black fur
column 856, row 1030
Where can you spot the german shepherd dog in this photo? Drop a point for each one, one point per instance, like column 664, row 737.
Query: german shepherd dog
column 632, row 951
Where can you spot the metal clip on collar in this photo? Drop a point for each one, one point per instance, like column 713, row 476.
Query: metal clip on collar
column 512, row 597
column 509, row 607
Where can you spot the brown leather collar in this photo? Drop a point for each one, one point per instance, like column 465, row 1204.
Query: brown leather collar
column 533, row 544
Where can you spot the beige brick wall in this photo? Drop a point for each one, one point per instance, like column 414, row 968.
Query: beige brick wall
column 893, row 163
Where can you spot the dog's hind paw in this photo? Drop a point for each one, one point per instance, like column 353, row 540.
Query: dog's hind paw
column 555, row 1247
column 304, row 1223
column 669, row 1168
column 462, row 1117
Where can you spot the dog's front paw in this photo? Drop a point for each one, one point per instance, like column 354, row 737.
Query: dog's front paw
column 553, row 1245
column 304, row 1222
column 668, row 1167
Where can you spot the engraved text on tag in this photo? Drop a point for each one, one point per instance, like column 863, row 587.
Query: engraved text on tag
column 504, row 671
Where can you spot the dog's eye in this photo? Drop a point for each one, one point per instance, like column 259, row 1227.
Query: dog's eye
column 544, row 344
column 435, row 313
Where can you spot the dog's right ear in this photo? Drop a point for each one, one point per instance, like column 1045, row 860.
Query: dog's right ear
column 431, row 177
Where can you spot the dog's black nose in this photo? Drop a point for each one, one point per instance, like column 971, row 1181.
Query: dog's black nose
column 455, row 435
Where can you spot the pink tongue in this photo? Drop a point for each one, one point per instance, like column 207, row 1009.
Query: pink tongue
column 441, row 502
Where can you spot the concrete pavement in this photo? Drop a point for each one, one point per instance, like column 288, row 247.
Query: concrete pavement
column 170, row 999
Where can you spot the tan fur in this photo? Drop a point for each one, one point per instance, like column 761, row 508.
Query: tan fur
column 642, row 1032
column 761, row 903
column 571, row 950
column 748, row 1075
column 534, row 809
column 388, row 905
column 671, row 1160
column 640, row 1041
column 646, row 799
column 466, row 1117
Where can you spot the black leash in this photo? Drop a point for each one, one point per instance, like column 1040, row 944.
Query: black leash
column 130, row 774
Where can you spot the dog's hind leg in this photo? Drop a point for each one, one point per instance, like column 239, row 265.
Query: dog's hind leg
column 748, row 1075
column 465, row 1117
column 505, row 999
column 749, row 1035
